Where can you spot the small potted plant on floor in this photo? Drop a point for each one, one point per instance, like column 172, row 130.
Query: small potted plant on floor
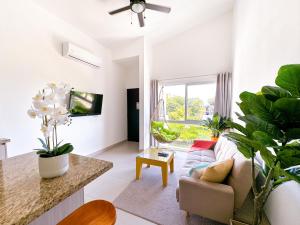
column 50, row 106
column 217, row 124
column 271, row 128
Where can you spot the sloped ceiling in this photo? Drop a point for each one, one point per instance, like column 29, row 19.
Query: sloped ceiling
column 91, row 17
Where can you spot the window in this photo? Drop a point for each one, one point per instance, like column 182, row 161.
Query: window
column 185, row 106
column 189, row 102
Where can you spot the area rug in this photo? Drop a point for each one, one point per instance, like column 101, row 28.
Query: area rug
column 148, row 199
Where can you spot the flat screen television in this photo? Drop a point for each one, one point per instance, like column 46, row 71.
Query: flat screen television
column 85, row 104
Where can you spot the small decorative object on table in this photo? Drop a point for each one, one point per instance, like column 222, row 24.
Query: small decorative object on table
column 163, row 154
column 50, row 106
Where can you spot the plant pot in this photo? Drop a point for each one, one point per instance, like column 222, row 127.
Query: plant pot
column 235, row 222
column 53, row 166
column 214, row 139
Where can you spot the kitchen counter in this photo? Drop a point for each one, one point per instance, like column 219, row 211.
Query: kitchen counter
column 24, row 196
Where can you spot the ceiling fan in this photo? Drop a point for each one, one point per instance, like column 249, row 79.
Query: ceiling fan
column 139, row 6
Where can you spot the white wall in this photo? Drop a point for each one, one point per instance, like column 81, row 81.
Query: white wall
column 205, row 49
column 267, row 35
column 140, row 48
column 31, row 57
column 132, row 77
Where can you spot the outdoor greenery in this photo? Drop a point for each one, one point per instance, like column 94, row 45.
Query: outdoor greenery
column 270, row 125
column 190, row 132
column 176, row 111
column 217, row 124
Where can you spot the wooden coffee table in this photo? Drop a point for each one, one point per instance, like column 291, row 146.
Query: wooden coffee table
column 150, row 157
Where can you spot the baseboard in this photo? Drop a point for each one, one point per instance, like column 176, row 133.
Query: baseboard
column 106, row 148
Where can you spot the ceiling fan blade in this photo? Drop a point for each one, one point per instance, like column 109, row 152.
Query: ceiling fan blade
column 119, row 10
column 159, row 8
column 141, row 19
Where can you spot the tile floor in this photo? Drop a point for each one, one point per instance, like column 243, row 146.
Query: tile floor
column 113, row 182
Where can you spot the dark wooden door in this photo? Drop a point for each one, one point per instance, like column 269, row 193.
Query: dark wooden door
column 133, row 114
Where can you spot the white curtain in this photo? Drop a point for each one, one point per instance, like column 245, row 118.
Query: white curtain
column 223, row 101
column 153, row 103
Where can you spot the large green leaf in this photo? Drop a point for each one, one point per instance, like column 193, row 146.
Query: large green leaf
column 247, row 96
column 289, row 157
column 261, row 125
column 289, row 78
column 290, row 107
column 261, row 107
column 238, row 127
column 264, row 138
column 242, row 142
column 274, row 93
column 293, row 133
column 244, row 107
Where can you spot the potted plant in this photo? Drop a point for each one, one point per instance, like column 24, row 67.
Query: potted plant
column 271, row 127
column 217, row 124
column 50, row 106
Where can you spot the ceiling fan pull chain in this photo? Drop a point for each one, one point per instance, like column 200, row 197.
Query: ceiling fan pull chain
column 131, row 17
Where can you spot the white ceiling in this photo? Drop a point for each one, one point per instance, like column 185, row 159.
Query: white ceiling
column 91, row 16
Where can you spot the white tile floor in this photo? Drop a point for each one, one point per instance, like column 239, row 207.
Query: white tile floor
column 113, row 182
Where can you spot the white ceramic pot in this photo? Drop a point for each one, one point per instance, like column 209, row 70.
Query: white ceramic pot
column 53, row 166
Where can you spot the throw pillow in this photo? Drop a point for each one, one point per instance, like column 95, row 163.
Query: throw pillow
column 203, row 144
column 217, row 172
column 196, row 171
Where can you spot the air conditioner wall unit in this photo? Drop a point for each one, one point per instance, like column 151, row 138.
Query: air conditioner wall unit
column 72, row 51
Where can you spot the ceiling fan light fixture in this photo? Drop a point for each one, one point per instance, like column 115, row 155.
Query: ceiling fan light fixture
column 138, row 7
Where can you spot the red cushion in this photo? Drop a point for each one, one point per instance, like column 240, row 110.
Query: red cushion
column 202, row 145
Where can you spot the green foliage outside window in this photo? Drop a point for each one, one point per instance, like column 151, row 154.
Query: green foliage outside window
column 195, row 109
column 190, row 132
column 175, row 107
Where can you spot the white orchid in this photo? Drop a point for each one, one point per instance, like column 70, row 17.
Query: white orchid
column 52, row 86
column 32, row 113
column 38, row 97
column 50, row 105
column 46, row 130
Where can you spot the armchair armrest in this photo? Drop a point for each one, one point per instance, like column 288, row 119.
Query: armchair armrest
column 211, row 200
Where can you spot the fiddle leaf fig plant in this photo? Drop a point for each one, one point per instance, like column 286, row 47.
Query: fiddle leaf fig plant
column 270, row 126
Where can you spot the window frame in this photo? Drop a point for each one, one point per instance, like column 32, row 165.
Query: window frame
column 186, row 85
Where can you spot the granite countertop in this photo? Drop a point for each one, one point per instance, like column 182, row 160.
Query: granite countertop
column 24, row 196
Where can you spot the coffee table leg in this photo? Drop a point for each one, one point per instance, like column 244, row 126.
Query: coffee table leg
column 172, row 165
column 148, row 165
column 164, row 171
column 138, row 168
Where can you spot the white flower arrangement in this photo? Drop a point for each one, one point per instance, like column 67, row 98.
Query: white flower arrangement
column 50, row 106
